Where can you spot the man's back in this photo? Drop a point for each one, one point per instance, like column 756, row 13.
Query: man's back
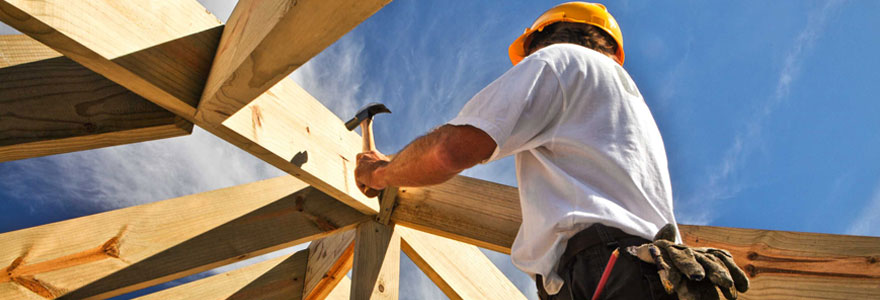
column 586, row 146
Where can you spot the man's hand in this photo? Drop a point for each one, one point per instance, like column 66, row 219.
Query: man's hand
column 368, row 174
column 692, row 273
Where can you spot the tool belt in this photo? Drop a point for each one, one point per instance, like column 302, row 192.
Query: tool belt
column 596, row 235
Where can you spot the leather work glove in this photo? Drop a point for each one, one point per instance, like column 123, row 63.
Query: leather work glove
column 692, row 272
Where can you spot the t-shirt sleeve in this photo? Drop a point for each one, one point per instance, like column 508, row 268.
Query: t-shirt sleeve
column 515, row 108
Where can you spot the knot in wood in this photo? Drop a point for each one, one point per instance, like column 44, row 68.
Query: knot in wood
column 751, row 270
column 753, row 255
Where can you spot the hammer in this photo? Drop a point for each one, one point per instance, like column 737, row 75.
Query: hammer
column 364, row 118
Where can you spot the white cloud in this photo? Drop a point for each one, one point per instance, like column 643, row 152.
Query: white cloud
column 128, row 175
column 868, row 221
column 336, row 75
column 721, row 183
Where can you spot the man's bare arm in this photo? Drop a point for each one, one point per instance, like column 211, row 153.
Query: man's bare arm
column 430, row 159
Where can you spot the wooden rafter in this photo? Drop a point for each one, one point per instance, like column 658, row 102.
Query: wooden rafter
column 51, row 104
column 800, row 264
column 342, row 291
column 128, row 249
column 474, row 211
column 330, row 259
column 291, row 130
column 460, row 270
column 277, row 278
column 168, row 64
column 254, row 56
column 376, row 270
column 165, row 56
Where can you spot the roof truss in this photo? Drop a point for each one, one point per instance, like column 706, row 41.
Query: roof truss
column 51, row 104
column 232, row 82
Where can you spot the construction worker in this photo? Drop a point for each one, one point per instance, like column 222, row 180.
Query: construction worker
column 590, row 161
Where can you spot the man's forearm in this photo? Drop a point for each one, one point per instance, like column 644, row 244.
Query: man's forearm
column 425, row 161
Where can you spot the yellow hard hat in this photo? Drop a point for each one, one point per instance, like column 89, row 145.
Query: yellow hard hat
column 576, row 12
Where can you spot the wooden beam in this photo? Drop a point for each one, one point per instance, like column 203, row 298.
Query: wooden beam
column 124, row 250
column 376, row 270
column 20, row 49
column 342, row 290
column 278, row 278
column 330, row 259
column 782, row 265
column 291, row 130
column 460, row 270
column 168, row 64
column 474, row 211
column 159, row 50
column 51, row 104
column 797, row 265
column 264, row 41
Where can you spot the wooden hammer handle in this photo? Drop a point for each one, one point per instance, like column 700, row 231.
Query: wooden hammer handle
column 367, row 134
column 369, row 145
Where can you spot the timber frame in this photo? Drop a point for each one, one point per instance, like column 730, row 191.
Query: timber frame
column 90, row 78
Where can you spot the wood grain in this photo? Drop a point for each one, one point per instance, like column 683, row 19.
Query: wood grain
column 782, row 265
column 460, row 270
column 278, row 278
column 330, row 259
column 474, row 211
column 124, row 250
column 376, row 270
column 18, row 49
column 284, row 126
column 50, row 104
column 291, row 130
column 342, row 291
column 797, row 265
column 265, row 40
column 161, row 50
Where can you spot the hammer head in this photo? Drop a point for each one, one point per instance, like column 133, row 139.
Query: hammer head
column 366, row 112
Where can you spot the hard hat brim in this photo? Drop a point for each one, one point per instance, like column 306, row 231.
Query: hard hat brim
column 571, row 12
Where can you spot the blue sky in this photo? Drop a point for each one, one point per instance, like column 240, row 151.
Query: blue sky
column 768, row 110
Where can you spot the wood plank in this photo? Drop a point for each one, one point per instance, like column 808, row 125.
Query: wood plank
column 51, row 104
column 330, row 259
column 255, row 51
column 278, row 278
column 460, row 270
column 341, row 291
column 474, row 211
column 20, row 49
column 291, row 130
column 783, row 265
column 797, row 265
column 161, row 50
column 285, row 126
column 376, row 270
column 124, row 250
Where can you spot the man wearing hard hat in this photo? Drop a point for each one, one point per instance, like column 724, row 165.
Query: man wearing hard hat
column 591, row 166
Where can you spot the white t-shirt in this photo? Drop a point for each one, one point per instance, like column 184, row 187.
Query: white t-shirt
column 586, row 147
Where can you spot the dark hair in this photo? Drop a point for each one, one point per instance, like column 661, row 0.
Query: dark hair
column 576, row 33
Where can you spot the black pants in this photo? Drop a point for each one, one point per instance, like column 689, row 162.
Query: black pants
column 584, row 260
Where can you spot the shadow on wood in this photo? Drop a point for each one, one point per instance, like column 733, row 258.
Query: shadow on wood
column 294, row 219
column 55, row 105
